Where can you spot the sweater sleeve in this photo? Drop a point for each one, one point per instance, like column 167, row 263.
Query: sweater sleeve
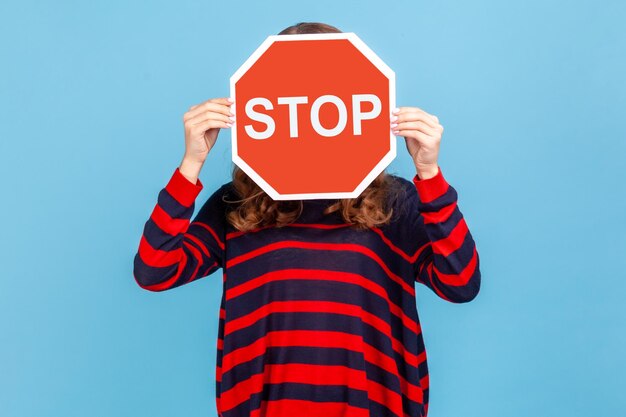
column 448, row 263
column 174, row 251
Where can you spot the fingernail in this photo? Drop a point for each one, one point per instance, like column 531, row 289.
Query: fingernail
column 394, row 118
column 394, row 125
column 396, row 110
column 231, row 100
column 232, row 119
column 229, row 124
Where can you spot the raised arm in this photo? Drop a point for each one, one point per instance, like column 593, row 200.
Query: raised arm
column 174, row 251
column 449, row 263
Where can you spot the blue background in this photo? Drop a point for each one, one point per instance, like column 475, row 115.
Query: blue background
column 532, row 96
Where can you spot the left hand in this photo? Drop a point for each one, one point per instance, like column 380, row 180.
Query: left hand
column 422, row 133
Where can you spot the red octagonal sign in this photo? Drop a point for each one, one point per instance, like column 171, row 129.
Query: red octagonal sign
column 312, row 116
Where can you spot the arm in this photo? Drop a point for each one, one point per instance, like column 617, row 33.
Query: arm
column 172, row 251
column 449, row 263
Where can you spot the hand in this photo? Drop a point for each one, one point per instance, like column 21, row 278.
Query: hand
column 422, row 133
column 202, row 125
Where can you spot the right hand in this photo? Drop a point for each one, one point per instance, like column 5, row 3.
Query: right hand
column 202, row 125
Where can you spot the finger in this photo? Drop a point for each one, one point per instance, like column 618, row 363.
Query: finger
column 415, row 134
column 201, row 117
column 217, row 107
column 418, row 125
column 404, row 110
column 414, row 114
column 220, row 100
column 208, row 124
column 209, row 106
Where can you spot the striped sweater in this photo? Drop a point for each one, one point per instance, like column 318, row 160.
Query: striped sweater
column 316, row 318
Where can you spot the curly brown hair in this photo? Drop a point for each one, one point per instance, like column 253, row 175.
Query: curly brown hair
column 373, row 207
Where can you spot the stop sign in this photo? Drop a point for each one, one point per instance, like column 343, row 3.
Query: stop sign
column 312, row 116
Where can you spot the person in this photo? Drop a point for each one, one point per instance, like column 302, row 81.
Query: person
column 318, row 312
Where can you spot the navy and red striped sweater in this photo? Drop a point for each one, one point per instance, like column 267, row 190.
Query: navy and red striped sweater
column 316, row 318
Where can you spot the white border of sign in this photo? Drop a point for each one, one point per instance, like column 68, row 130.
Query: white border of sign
column 369, row 54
